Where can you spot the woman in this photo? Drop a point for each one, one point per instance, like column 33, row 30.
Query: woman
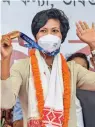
column 35, row 79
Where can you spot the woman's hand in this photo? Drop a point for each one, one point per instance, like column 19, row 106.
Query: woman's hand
column 5, row 44
column 86, row 34
column 5, row 47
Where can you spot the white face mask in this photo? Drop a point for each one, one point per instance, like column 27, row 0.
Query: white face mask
column 49, row 42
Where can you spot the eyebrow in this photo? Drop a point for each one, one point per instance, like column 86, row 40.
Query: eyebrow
column 55, row 27
column 51, row 28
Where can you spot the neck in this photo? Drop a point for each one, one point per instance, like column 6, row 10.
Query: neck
column 48, row 59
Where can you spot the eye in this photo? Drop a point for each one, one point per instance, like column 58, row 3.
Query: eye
column 43, row 31
column 55, row 31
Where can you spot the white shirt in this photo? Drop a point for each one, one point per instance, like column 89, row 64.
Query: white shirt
column 79, row 114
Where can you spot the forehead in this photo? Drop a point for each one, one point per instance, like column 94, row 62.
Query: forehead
column 52, row 23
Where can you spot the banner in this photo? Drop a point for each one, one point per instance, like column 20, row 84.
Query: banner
column 18, row 15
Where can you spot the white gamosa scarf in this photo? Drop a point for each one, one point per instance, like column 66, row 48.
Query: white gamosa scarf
column 52, row 84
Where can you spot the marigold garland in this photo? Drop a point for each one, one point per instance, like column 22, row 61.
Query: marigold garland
column 67, row 91
column 39, row 89
column 37, row 82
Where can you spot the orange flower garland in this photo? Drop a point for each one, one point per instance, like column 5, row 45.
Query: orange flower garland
column 39, row 89
column 37, row 82
column 67, row 91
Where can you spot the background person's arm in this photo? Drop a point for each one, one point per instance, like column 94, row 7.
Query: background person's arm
column 18, row 123
column 17, row 111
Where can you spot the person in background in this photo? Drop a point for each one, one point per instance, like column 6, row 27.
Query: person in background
column 85, row 99
column 79, row 58
column 92, row 59
column 6, row 118
column 17, row 115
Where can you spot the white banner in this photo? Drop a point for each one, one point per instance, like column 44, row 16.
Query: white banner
column 18, row 15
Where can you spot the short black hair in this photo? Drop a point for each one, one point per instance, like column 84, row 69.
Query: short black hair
column 81, row 55
column 42, row 17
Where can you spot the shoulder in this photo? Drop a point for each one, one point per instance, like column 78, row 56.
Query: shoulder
column 71, row 64
column 22, row 61
column 21, row 64
column 74, row 67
